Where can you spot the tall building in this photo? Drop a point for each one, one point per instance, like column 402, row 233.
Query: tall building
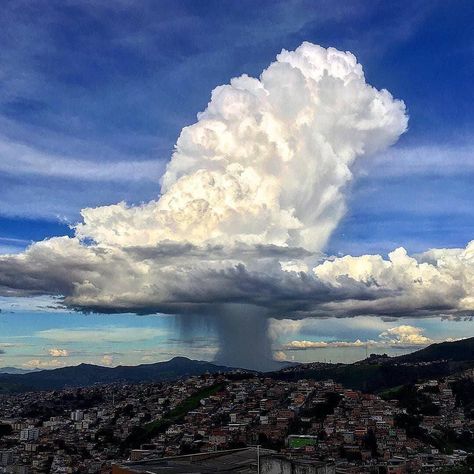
column 29, row 434
column 77, row 415
column 6, row 457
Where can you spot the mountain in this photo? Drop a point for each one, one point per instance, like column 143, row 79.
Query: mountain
column 87, row 374
column 453, row 351
column 380, row 373
column 374, row 374
column 14, row 370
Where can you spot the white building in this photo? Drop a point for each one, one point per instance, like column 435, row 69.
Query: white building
column 29, row 434
column 77, row 415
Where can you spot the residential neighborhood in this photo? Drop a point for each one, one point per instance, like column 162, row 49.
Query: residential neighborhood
column 319, row 423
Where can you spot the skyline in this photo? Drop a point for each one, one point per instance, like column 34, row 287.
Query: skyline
column 271, row 245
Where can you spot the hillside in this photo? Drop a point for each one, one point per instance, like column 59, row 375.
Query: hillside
column 454, row 351
column 87, row 374
column 381, row 373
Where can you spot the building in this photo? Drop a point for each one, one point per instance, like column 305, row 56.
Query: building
column 6, row 457
column 29, row 434
column 396, row 466
column 241, row 461
column 77, row 415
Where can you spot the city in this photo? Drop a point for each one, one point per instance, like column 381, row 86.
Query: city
column 133, row 428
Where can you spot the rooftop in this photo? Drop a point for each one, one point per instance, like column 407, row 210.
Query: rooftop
column 233, row 460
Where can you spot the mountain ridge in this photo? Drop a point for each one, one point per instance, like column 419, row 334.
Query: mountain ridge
column 378, row 373
column 373, row 374
column 90, row 374
column 16, row 370
column 462, row 349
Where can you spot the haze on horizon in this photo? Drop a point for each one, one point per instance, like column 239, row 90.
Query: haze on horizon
column 237, row 237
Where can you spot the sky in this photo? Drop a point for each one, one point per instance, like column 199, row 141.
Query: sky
column 94, row 95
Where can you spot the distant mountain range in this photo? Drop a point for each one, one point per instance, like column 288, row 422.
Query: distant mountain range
column 373, row 374
column 15, row 370
column 87, row 374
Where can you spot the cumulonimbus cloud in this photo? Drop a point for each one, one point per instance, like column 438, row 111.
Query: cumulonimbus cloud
column 266, row 162
column 248, row 201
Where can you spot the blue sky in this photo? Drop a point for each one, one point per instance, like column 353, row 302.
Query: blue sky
column 94, row 94
column 29, row 338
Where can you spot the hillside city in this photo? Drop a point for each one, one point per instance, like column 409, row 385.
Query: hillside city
column 247, row 422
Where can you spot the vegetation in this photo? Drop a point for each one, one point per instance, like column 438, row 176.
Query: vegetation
column 415, row 401
column 417, row 405
column 146, row 432
column 5, row 429
column 370, row 442
column 467, row 467
column 454, row 351
column 321, row 410
column 464, row 391
column 370, row 377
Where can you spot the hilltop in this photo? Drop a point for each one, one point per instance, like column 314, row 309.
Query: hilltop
column 379, row 373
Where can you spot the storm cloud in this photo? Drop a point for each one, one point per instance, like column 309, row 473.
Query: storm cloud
column 248, row 201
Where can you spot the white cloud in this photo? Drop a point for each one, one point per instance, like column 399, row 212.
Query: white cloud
column 267, row 161
column 436, row 281
column 303, row 345
column 406, row 335
column 107, row 360
column 399, row 336
column 57, row 352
